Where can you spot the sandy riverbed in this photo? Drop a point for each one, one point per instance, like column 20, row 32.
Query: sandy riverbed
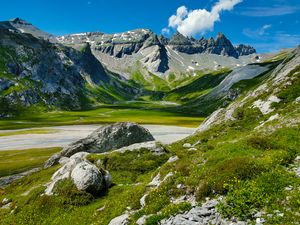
column 64, row 135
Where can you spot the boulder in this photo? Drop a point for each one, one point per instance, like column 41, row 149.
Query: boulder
column 104, row 139
column 86, row 176
column 204, row 214
column 186, row 145
column 120, row 220
column 153, row 146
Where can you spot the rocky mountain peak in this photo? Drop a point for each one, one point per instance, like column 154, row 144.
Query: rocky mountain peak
column 163, row 40
column 245, row 50
column 211, row 41
column 179, row 39
column 222, row 40
column 19, row 21
column 220, row 35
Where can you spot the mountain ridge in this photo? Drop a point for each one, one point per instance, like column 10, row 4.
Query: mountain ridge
column 157, row 53
column 220, row 41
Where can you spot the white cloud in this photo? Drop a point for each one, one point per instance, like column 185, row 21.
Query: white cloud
column 176, row 20
column 264, row 28
column 199, row 21
column 259, row 33
column 270, row 11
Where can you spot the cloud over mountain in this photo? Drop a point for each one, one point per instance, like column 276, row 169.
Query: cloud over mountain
column 199, row 21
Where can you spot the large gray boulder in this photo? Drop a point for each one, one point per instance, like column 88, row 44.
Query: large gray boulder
column 104, row 139
column 120, row 220
column 85, row 175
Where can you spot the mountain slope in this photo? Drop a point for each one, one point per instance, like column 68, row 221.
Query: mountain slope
column 20, row 25
column 35, row 71
column 237, row 82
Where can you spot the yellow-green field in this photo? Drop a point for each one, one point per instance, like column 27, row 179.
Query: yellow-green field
column 107, row 114
column 17, row 161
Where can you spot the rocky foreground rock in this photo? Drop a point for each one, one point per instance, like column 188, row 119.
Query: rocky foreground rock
column 205, row 214
column 85, row 175
column 104, row 139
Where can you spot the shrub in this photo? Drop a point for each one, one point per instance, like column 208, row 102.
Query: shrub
column 260, row 142
column 246, row 197
column 129, row 165
column 69, row 194
column 215, row 181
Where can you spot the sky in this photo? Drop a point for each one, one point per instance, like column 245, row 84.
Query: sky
column 268, row 25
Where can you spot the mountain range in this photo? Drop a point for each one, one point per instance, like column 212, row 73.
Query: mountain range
column 78, row 71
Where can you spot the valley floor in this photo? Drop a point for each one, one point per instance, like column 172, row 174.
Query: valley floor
column 142, row 114
column 61, row 136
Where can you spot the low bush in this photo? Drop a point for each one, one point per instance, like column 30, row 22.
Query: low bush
column 215, row 180
column 244, row 198
column 260, row 142
column 68, row 193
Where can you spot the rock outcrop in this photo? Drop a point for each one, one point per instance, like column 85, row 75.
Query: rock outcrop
column 12, row 178
column 120, row 220
column 245, row 50
column 86, row 176
column 152, row 146
column 205, row 214
column 104, row 139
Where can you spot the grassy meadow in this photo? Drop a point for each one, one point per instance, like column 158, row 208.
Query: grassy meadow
column 106, row 114
column 17, row 161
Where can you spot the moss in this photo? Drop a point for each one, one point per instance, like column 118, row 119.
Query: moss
column 68, row 193
column 17, row 161
column 246, row 198
column 131, row 166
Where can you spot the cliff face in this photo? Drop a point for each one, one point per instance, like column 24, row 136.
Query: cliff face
column 34, row 70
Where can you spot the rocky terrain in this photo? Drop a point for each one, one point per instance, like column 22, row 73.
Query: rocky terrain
column 125, row 51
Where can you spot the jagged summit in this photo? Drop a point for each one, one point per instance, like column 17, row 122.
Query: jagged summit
column 221, row 45
column 21, row 25
column 179, row 39
column 19, row 21
column 122, row 52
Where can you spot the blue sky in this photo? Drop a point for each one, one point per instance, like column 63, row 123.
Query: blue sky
column 268, row 25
